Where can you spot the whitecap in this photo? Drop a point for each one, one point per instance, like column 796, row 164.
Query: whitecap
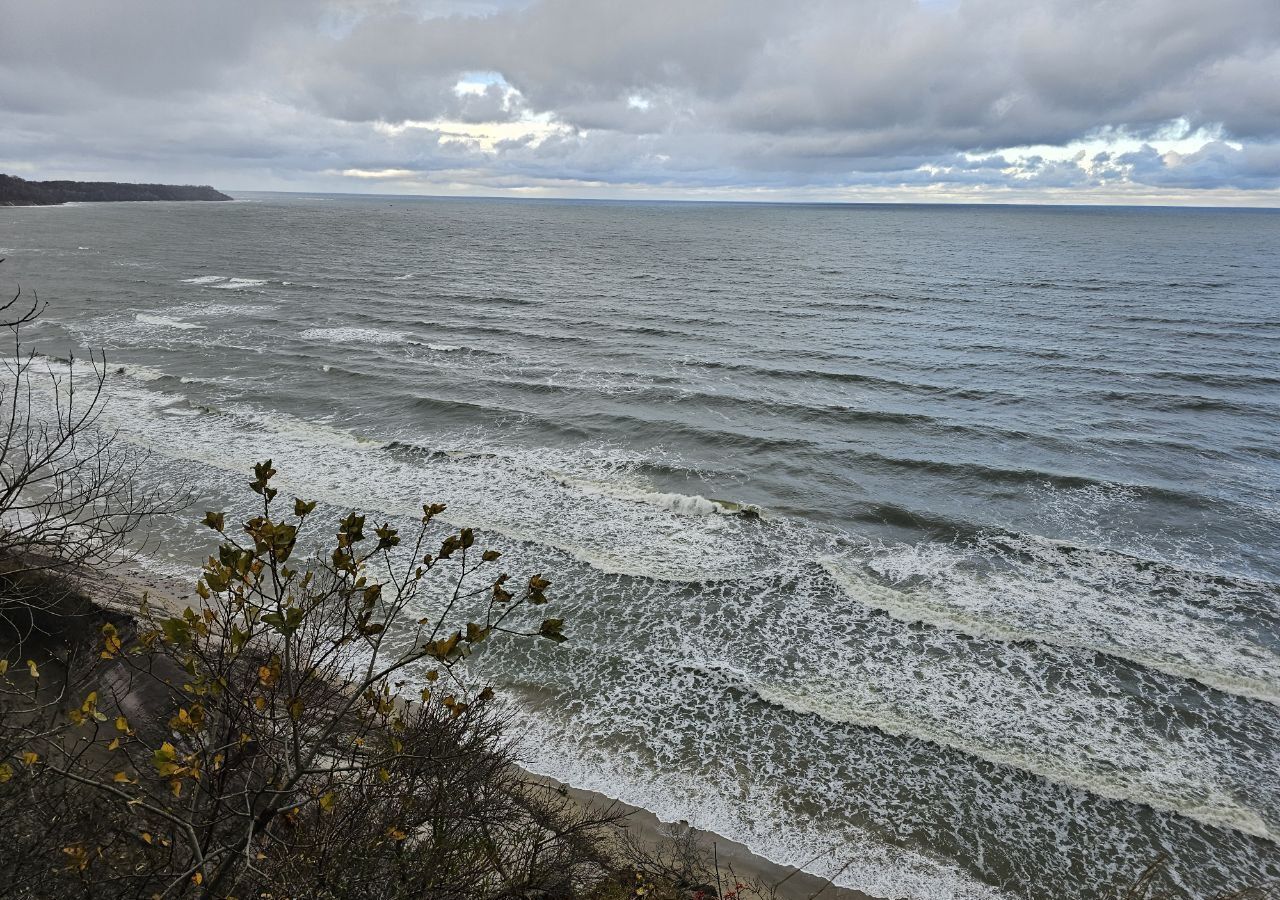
column 164, row 322
column 225, row 282
column 1022, row 588
column 239, row 284
column 139, row 372
column 683, row 504
column 353, row 335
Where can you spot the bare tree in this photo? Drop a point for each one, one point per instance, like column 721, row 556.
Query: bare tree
column 72, row 494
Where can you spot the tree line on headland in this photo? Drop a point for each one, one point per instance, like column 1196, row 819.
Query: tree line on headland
column 20, row 192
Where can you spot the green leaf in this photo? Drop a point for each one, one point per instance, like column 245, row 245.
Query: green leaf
column 551, row 630
column 388, row 537
column 285, row 623
column 351, row 530
column 176, row 631
column 263, row 473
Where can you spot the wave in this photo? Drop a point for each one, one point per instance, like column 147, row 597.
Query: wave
column 963, row 392
column 683, row 504
column 353, row 335
column 1092, row 744
column 1220, row 807
column 1028, row 476
column 677, row 728
column 165, row 322
column 1185, row 624
column 225, row 282
column 510, row 494
column 141, row 373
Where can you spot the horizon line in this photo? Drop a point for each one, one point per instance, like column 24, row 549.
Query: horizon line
column 779, row 202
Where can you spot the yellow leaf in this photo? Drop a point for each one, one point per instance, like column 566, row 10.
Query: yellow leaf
column 30, row 758
column 4, row 666
column 197, row 879
column 260, row 703
column 111, row 642
column 79, row 857
column 120, row 778
column 269, row 674
column 327, row 801
column 114, row 745
column 33, row 669
column 176, row 787
column 122, row 724
column 6, row 772
column 146, row 836
column 396, row 834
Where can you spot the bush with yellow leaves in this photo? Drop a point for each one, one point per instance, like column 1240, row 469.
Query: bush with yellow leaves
column 306, row 731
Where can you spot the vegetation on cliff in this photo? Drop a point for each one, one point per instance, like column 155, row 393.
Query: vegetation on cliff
column 20, row 192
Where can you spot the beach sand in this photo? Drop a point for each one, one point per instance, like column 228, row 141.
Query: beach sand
column 736, row 861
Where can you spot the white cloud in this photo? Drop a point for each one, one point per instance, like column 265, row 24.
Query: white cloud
column 378, row 174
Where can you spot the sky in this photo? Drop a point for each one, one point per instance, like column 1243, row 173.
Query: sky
column 1031, row 101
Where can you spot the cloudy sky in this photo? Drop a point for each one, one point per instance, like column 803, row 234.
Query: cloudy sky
column 1138, row 101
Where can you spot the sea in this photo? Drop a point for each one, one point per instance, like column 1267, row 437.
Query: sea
column 935, row 549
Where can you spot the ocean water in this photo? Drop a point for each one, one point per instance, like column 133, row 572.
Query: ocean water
column 933, row 548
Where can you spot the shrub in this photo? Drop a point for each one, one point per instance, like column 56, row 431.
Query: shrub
column 305, row 731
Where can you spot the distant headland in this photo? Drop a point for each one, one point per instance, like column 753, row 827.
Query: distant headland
column 20, row 192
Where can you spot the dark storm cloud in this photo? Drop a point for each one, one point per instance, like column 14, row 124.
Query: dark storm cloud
column 682, row 93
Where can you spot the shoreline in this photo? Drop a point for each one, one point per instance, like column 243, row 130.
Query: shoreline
column 737, row 860
column 120, row 590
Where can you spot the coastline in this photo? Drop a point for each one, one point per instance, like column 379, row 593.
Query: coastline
column 120, row 590
column 737, row 860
